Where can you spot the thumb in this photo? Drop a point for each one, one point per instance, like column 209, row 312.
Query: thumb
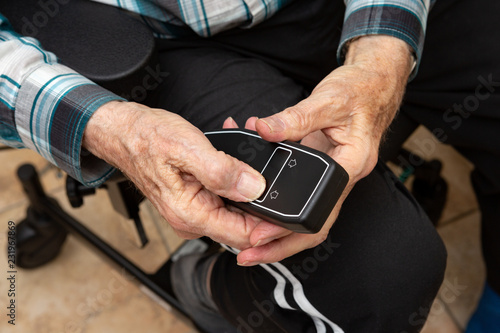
column 293, row 123
column 228, row 177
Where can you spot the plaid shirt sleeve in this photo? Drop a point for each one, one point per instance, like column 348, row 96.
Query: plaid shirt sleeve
column 45, row 106
column 404, row 19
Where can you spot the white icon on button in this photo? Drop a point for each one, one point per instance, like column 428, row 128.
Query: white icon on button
column 274, row 194
column 292, row 163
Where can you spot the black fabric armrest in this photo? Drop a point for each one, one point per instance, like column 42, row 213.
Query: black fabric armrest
column 101, row 42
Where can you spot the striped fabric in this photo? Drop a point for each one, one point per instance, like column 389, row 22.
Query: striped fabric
column 286, row 279
column 45, row 106
column 171, row 18
column 404, row 19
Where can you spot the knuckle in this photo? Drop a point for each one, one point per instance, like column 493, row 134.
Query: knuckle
column 322, row 236
column 298, row 116
column 219, row 171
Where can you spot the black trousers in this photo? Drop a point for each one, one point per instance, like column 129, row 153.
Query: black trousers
column 456, row 95
column 391, row 261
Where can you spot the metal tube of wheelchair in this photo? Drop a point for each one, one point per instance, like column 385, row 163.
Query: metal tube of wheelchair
column 78, row 229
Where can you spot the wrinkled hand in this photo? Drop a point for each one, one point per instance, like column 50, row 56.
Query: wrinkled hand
column 345, row 116
column 174, row 165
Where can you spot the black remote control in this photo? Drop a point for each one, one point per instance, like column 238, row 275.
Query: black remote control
column 302, row 184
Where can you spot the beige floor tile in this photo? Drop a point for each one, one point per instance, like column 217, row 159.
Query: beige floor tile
column 79, row 291
column 142, row 314
column 465, row 272
column 97, row 215
column 456, row 170
column 439, row 321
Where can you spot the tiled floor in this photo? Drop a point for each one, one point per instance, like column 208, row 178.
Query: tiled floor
column 459, row 228
column 79, row 292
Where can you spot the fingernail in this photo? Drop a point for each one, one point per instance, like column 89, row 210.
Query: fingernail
column 233, row 122
column 250, row 186
column 248, row 263
column 275, row 124
column 261, row 242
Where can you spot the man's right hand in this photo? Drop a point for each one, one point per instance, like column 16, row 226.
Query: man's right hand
column 178, row 170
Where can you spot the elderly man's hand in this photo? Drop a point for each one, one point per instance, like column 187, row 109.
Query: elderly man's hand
column 178, row 170
column 345, row 116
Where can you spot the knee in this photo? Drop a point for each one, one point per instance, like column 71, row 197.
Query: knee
column 396, row 255
column 404, row 280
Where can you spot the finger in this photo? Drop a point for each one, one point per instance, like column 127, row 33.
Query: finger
column 250, row 124
column 290, row 244
column 318, row 141
column 277, row 250
column 295, row 122
column 357, row 159
column 234, row 227
column 230, row 178
column 222, row 174
column 225, row 175
column 229, row 123
column 266, row 232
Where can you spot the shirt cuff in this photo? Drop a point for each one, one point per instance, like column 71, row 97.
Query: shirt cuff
column 52, row 110
column 404, row 19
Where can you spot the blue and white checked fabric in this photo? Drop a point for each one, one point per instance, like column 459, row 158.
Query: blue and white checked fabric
column 45, row 106
column 205, row 18
column 404, row 19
